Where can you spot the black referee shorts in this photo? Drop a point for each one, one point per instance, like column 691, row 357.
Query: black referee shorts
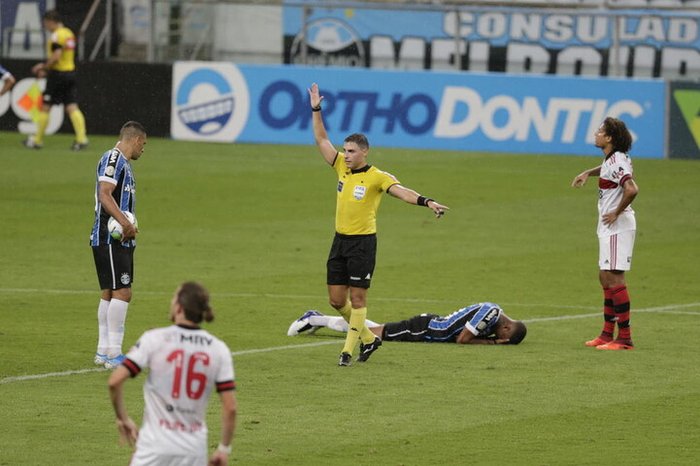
column 413, row 329
column 115, row 266
column 60, row 88
column 351, row 260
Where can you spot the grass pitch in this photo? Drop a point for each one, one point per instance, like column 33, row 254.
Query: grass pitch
column 254, row 224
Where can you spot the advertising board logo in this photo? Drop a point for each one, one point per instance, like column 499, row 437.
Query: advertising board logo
column 200, row 113
column 329, row 41
column 689, row 103
column 461, row 112
column 24, row 101
column 502, row 117
column 210, row 101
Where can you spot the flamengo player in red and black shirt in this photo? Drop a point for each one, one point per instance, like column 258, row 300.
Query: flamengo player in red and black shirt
column 616, row 230
column 186, row 364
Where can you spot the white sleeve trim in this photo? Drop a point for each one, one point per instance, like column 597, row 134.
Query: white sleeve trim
column 107, row 179
column 472, row 329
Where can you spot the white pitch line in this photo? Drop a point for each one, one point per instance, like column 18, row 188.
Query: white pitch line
column 277, row 348
column 670, row 309
column 22, row 378
column 292, row 296
column 667, row 309
column 686, row 313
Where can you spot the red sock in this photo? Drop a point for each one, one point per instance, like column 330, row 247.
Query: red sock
column 621, row 306
column 608, row 315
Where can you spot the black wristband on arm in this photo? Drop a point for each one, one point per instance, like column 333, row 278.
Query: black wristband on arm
column 422, row 200
column 317, row 108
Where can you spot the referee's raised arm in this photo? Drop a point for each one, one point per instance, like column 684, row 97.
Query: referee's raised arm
column 320, row 135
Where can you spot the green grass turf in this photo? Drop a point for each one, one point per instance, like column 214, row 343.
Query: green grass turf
column 254, row 223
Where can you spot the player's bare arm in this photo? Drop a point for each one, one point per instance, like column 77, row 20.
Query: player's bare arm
column 466, row 337
column 228, row 426
column 488, row 341
column 128, row 430
column 129, row 230
column 410, row 196
column 582, row 177
column 320, row 135
column 52, row 60
column 7, row 84
column 630, row 191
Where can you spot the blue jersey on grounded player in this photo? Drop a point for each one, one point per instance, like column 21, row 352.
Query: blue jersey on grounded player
column 480, row 319
column 113, row 168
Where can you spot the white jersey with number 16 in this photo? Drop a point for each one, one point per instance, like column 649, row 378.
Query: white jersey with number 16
column 186, row 364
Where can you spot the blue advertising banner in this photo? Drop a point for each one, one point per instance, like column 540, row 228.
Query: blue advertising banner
column 653, row 43
column 428, row 110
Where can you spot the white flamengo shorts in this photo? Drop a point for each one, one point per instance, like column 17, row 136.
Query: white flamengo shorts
column 615, row 252
column 140, row 458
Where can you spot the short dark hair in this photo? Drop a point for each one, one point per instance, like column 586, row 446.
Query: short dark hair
column 131, row 129
column 359, row 139
column 53, row 15
column 519, row 332
column 194, row 299
column 618, row 132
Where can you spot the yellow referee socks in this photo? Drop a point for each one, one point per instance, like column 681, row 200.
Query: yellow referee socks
column 42, row 121
column 355, row 327
column 366, row 335
column 78, row 120
column 346, row 311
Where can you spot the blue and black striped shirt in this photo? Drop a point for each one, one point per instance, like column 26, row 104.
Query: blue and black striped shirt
column 113, row 168
column 480, row 319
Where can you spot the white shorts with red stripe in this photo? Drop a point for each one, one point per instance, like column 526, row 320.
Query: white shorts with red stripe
column 615, row 251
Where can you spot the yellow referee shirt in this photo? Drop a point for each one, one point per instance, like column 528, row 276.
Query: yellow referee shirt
column 359, row 194
column 64, row 39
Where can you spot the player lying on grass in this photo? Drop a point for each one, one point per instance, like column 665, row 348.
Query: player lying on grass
column 482, row 323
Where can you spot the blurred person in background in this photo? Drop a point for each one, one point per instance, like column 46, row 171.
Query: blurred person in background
column 59, row 69
column 7, row 81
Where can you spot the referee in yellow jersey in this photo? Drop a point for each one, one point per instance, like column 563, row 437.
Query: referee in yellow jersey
column 60, row 73
column 351, row 260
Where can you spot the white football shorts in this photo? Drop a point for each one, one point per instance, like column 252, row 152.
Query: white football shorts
column 141, row 458
column 615, row 251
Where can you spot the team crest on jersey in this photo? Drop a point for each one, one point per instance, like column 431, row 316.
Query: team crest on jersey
column 359, row 192
column 493, row 313
column 340, row 186
column 125, row 279
column 619, row 173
